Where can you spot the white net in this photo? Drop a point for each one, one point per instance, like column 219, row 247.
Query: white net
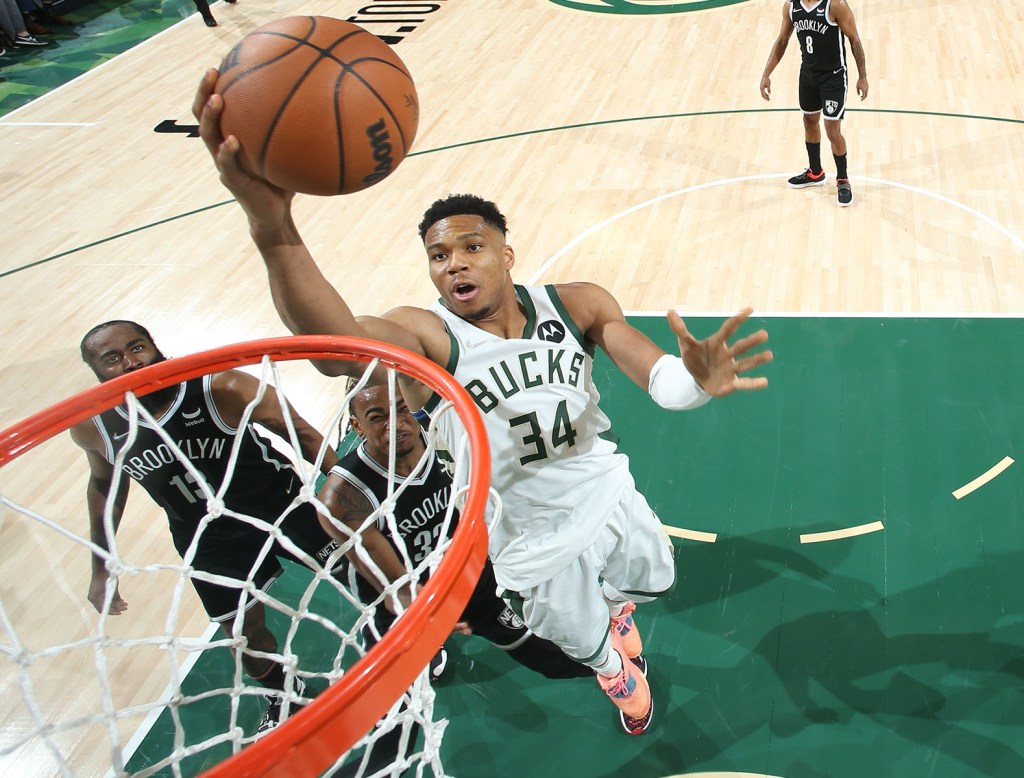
column 159, row 690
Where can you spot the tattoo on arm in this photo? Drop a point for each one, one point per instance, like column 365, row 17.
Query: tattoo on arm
column 348, row 504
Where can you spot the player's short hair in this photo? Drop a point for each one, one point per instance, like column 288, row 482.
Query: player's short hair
column 107, row 325
column 352, row 381
column 461, row 204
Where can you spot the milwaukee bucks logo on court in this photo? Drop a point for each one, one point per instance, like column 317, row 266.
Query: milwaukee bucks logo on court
column 643, row 7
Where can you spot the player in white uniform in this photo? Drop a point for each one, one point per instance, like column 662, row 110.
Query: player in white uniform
column 561, row 478
column 571, row 514
column 470, row 264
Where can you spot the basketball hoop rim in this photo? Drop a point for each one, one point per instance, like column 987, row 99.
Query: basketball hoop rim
column 314, row 737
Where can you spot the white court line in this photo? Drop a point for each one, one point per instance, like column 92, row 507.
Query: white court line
column 151, row 718
column 760, row 177
column 633, row 209
column 691, row 534
column 984, row 478
column 49, row 124
column 839, row 534
column 1016, row 241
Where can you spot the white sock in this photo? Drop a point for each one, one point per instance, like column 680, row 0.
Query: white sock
column 611, row 666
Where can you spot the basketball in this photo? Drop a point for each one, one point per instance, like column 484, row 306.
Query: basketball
column 319, row 105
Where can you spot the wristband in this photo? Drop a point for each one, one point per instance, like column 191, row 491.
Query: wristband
column 672, row 386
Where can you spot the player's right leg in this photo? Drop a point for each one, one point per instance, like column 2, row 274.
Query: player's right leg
column 493, row 619
column 810, row 105
column 234, row 552
column 629, row 691
column 204, row 10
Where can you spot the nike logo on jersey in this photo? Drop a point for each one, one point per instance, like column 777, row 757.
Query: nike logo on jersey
column 120, row 435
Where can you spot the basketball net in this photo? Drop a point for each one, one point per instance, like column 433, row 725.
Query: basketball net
column 208, row 723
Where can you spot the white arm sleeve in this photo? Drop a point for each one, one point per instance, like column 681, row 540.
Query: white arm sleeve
column 672, row 386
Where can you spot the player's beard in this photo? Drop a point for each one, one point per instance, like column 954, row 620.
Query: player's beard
column 156, row 402
column 478, row 315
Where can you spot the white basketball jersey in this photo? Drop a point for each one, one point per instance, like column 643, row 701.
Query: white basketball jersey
column 552, row 462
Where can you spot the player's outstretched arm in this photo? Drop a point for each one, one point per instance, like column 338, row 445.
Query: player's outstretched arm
column 96, row 495
column 775, row 55
column 306, row 301
column 267, row 206
column 716, row 364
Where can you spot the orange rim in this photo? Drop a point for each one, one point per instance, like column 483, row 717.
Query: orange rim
column 315, row 736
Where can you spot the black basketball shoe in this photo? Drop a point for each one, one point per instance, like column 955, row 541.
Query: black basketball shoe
column 844, row 194
column 807, row 178
column 274, row 714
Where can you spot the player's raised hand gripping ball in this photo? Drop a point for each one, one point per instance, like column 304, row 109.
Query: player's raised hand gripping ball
column 319, row 105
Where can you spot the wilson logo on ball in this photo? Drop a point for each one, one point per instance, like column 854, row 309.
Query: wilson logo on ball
column 381, row 150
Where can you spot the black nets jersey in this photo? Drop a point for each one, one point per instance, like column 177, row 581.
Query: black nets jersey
column 419, row 510
column 262, row 482
column 822, row 43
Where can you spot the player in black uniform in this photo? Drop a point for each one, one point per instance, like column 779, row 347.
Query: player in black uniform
column 202, row 417
column 822, row 29
column 358, row 485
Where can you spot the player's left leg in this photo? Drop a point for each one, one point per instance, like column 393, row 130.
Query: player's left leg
column 268, row 672
column 834, row 108
column 640, row 570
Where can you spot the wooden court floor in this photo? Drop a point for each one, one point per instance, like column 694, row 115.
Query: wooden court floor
column 628, row 145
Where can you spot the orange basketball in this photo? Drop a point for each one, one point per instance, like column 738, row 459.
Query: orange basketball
column 319, row 105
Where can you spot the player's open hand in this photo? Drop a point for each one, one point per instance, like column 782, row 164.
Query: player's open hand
column 267, row 206
column 715, row 363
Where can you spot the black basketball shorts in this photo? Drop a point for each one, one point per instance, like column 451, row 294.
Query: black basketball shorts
column 486, row 613
column 230, row 547
column 825, row 93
